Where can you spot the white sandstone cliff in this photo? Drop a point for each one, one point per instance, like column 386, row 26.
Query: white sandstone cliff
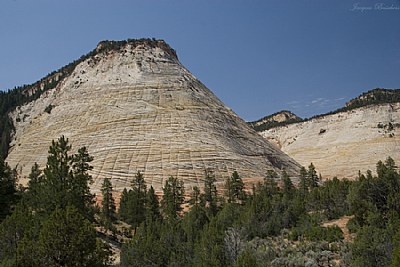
column 137, row 108
column 344, row 143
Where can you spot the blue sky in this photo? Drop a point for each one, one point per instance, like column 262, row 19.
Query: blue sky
column 258, row 57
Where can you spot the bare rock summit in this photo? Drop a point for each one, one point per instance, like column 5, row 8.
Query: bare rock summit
column 280, row 118
column 136, row 108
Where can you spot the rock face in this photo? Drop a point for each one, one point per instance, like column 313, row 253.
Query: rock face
column 136, row 108
column 280, row 118
column 341, row 144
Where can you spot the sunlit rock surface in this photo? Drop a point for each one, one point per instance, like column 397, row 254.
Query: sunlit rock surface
column 136, row 108
column 344, row 143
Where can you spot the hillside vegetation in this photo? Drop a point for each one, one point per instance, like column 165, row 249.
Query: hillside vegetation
column 373, row 97
column 272, row 223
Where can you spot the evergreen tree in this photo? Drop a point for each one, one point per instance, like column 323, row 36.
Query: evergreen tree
column 80, row 190
column 48, row 227
column 58, row 175
column 210, row 196
column 270, row 187
column 7, row 189
column 288, row 187
column 396, row 250
column 33, row 195
column 152, row 206
column 313, row 178
column 372, row 247
column 108, row 204
column 35, row 176
column 35, row 180
column 209, row 249
column 359, row 199
column 157, row 244
column 145, row 248
column 195, row 196
column 18, row 239
column 303, row 185
column 333, row 198
column 271, row 174
column 123, row 211
column 234, row 189
column 137, row 198
column 193, row 223
column 68, row 239
column 66, row 181
column 173, row 198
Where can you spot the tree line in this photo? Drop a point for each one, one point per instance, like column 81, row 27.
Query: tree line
column 52, row 221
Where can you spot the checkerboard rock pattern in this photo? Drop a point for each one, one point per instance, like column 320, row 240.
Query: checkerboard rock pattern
column 138, row 109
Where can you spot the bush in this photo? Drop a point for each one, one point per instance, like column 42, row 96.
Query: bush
column 353, row 225
column 48, row 108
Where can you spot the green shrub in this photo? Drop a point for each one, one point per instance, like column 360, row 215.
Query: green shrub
column 48, row 108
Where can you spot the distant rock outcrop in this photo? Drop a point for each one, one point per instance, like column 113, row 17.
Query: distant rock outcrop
column 348, row 140
column 280, row 118
column 137, row 108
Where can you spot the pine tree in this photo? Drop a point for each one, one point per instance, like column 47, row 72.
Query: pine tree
column 137, row 197
column 228, row 190
column 35, row 177
column 303, row 186
column 108, row 204
column 68, row 239
column 84, row 199
column 57, row 176
column 174, row 195
column 193, row 223
column 49, row 226
column 195, row 196
column 33, row 195
column 145, row 248
column 157, row 244
column 313, row 178
column 7, row 190
column 123, row 211
column 152, row 206
column 271, row 174
column 234, row 189
column 288, row 188
column 66, row 181
column 270, row 187
column 18, row 238
column 210, row 196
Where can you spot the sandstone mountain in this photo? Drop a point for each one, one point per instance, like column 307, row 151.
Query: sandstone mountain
column 348, row 140
column 136, row 108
